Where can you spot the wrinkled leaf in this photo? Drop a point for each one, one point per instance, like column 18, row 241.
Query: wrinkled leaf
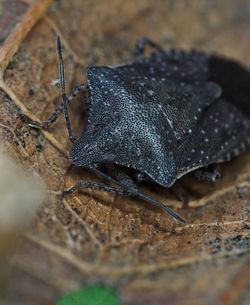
column 98, row 237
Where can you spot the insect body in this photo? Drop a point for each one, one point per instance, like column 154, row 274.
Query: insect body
column 163, row 115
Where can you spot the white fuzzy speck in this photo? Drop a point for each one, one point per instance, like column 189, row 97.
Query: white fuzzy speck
column 20, row 194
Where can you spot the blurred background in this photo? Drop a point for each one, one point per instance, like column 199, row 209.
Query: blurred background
column 50, row 247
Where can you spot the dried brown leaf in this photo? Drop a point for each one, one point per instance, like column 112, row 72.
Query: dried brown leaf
column 92, row 236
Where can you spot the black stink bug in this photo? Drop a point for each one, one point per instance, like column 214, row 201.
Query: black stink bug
column 162, row 115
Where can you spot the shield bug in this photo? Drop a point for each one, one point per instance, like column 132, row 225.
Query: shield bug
column 162, row 115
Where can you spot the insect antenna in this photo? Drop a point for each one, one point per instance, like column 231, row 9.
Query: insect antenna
column 62, row 85
column 139, row 194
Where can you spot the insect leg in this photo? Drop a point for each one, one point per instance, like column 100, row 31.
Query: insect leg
column 181, row 194
column 63, row 94
column 95, row 186
column 141, row 44
column 125, row 179
column 55, row 115
column 138, row 194
column 208, row 176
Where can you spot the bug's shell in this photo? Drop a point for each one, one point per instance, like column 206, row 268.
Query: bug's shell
column 166, row 115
